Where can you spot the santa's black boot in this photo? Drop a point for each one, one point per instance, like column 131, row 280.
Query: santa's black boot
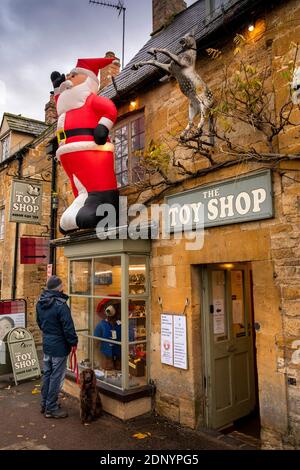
column 87, row 218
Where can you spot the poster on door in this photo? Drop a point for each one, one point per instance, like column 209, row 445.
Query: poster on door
column 219, row 317
column 167, row 339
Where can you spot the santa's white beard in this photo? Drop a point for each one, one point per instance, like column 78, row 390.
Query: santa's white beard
column 75, row 96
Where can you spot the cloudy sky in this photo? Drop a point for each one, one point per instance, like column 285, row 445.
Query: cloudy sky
column 39, row 36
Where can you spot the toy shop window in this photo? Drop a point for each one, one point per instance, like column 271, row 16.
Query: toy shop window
column 109, row 304
column 137, row 342
column 129, row 139
column 107, row 276
column 80, row 277
column 137, row 275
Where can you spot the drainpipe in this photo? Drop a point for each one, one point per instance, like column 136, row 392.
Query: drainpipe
column 19, row 158
column 51, row 150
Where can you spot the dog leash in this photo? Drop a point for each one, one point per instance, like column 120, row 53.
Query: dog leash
column 74, row 366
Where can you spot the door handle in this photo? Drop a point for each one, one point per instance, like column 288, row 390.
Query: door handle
column 231, row 349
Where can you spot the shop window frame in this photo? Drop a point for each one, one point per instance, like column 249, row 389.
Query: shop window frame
column 124, row 298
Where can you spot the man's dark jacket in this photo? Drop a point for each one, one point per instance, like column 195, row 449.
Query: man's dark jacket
column 54, row 318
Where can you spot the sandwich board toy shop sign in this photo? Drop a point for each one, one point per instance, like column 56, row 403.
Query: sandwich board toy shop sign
column 23, row 355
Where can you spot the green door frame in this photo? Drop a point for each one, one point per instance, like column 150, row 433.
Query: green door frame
column 207, row 337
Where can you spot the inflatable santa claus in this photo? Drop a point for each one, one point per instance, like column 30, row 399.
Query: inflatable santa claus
column 84, row 149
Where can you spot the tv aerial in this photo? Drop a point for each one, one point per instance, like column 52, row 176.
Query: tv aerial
column 122, row 9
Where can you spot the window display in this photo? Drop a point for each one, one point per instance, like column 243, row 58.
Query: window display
column 107, row 276
column 137, row 278
column 109, row 327
column 80, row 277
column 101, row 322
column 137, row 360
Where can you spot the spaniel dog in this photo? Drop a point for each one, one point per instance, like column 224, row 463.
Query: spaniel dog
column 90, row 402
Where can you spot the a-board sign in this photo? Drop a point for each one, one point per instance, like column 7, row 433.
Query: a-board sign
column 23, row 355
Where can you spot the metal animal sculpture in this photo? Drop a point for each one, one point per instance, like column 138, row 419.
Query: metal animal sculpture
column 296, row 86
column 182, row 67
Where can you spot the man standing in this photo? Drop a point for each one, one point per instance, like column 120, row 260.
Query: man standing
column 54, row 319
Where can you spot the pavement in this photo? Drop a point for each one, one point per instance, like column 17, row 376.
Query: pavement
column 23, row 427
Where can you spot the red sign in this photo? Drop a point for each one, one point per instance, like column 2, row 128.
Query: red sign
column 34, row 250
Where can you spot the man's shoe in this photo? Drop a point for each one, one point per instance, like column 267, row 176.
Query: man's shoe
column 43, row 408
column 59, row 413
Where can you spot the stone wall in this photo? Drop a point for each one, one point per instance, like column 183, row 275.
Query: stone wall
column 30, row 278
column 272, row 247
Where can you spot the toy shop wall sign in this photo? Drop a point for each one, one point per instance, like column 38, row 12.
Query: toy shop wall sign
column 239, row 199
column 174, row 340
column 26, row 202
column 23, row 355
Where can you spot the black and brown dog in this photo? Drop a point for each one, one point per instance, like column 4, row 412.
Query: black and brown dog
column 90, row 401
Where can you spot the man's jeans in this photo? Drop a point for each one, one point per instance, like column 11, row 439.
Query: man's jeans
column 54, row 374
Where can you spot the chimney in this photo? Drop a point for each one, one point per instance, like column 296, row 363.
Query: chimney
column 107, row 72
column 50, row 111
column 163, row 10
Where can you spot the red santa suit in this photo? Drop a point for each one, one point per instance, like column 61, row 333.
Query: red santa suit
column 90, row 167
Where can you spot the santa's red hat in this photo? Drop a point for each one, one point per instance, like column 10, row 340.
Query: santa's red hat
column 91, row 67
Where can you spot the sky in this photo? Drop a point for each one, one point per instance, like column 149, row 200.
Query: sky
column 39, row 36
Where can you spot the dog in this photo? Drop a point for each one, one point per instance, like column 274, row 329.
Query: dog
column 90, row 401
column 182, row 68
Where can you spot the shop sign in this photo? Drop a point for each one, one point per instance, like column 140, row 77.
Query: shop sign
column 239, row 199
column 23, row 355
column 34, row 250
column 174, row 340
column 26, row 202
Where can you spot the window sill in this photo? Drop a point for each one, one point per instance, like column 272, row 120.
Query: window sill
column 123, row 396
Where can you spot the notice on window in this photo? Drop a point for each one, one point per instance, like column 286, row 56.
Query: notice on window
column 180, row 342
column 237, row 312
column 167, row 339
column 219, row 317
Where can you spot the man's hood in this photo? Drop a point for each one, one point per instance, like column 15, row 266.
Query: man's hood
column 48, row 297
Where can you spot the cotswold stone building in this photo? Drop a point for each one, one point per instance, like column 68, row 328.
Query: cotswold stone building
column 208, row 335
column 19, row 159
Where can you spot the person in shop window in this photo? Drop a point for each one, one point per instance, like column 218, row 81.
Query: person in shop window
column 110, row 328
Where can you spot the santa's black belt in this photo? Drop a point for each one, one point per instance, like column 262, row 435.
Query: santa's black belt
column 63, row 135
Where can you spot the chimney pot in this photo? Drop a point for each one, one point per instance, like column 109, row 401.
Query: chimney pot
column 163, row 10
column 50, row 110
column 109, row 71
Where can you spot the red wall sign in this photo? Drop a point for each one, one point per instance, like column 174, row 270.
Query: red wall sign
column 34, row 250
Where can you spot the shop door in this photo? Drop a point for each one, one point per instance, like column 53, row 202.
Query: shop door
column 230, row 381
